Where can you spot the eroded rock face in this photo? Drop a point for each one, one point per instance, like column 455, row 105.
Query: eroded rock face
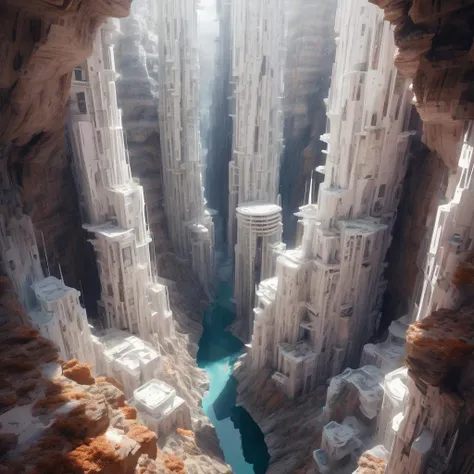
column 434, row 41
column 440, row 344
column 42, row 41
column 55, row 417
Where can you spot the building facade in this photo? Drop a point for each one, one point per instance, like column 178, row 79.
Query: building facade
column 189, row 224
column 329, row 291
column 258, row 56
column 259, row 241
column 112, row 201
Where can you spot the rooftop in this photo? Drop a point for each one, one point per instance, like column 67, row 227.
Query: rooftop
column 258, row 209
column 52, row 289
column 299, row 351
column 109, row 230
column 154, row 393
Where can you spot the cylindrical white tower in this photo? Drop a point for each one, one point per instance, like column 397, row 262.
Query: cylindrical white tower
column 259, row 231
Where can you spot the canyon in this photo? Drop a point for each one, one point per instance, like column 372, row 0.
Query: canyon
column 245, row 247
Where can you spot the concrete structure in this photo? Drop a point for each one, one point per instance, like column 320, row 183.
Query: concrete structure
column 452, row 236
column 112, row 202
column 20, row 256
column 424, row 433
column 160, row 408
column 258, row 57
column 353, row 402
column 60, row 317
column 258, row 39
column 329, row 291
column 189, row 224
column 47, row 303
column 390, row 354
column 259, row 241
column 395, row 388
column 128, row 358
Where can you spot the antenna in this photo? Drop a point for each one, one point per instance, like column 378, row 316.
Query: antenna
column 310, row 194
column 61, row 273
column 45, row 254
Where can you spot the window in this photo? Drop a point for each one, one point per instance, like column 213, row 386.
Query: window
column 78, row 74
column 382, row 191
column 81, row 102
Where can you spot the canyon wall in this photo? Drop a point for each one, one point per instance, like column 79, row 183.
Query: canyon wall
column 136, row 56
column 310, row 55
column 43, row 41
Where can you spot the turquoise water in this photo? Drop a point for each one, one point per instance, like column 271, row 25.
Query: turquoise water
column 240, row 437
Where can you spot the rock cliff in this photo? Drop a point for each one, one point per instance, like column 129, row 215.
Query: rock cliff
column 434, row 41
column 310, row 55
column 42, row 41
column 56, row 418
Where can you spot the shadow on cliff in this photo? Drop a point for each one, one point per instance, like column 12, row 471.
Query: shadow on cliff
column 253, row 441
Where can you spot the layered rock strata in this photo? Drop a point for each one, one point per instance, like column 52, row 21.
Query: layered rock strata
column 434, row 48
column 43, row 42
column 439, row 414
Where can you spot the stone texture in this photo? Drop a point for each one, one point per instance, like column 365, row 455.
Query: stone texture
column 54, row 419
column 41, row 44
column 292, row 429
column 434, row 43
column 440, row 344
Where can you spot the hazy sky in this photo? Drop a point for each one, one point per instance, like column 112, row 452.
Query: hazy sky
column 208, row 31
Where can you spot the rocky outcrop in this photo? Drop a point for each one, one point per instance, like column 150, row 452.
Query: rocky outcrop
column 434, row 41
column 55, row 417
column 440, row 345
column 437, row 422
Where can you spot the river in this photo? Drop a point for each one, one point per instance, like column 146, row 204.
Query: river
column 240, row 438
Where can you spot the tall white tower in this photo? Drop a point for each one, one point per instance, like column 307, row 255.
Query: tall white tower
column 258, row 58
column 259, row 231
column 112, row 202
column 327, row 298
column 189, row 224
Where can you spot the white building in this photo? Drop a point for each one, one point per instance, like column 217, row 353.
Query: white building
column 49, row 305
column 61, row 318
column 452, row 236
column 20, row 256
column 189, row 224
column 128, row 358
column 259, row 240
column 258, row 58
column 161, row 410
column 112, row 202
column 423, row 434
column 329, row 291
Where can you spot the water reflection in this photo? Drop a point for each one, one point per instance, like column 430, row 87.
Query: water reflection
column 240, row 437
